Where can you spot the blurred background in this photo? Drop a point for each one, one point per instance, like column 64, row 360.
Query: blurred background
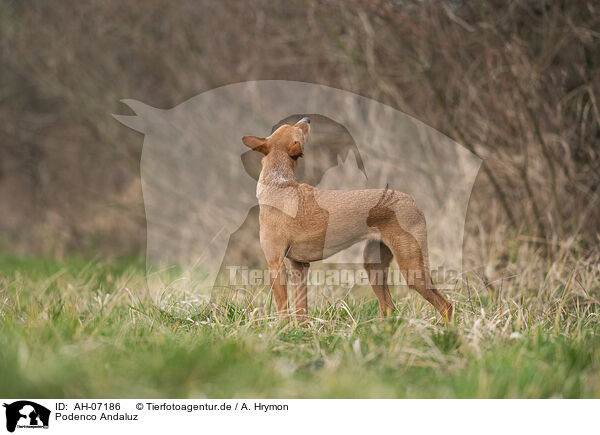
column 516, row 83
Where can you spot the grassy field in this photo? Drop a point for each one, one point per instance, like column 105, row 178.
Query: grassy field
column 94, row 329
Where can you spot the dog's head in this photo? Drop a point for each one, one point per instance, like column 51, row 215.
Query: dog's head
column 289, row 139
column 333, row 145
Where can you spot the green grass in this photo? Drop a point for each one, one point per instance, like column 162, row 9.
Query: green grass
column 81, row 329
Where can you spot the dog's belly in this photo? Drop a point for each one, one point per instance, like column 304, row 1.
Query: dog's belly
column 307, row 252
column 327, row 245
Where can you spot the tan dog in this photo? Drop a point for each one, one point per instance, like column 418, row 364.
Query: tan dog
column 301, row 223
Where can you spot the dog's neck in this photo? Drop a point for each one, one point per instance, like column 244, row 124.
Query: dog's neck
column 278, row 169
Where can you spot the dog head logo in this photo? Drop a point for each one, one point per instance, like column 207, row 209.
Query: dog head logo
column 200, row 181
column 26, row 414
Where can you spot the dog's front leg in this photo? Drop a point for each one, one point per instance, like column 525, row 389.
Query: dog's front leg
column 277, row 276
column 299, row 276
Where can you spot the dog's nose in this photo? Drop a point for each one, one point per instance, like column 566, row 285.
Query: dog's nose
column 305, row 119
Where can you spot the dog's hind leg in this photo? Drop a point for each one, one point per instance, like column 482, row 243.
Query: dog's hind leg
column 377, row 257
column 299, row 275
column 411, row 256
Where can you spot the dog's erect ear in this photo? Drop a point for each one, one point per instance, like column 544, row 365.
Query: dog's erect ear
column 295, row 150
column 256, row 143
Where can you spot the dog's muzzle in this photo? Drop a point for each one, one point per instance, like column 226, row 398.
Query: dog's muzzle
column 305, row 120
